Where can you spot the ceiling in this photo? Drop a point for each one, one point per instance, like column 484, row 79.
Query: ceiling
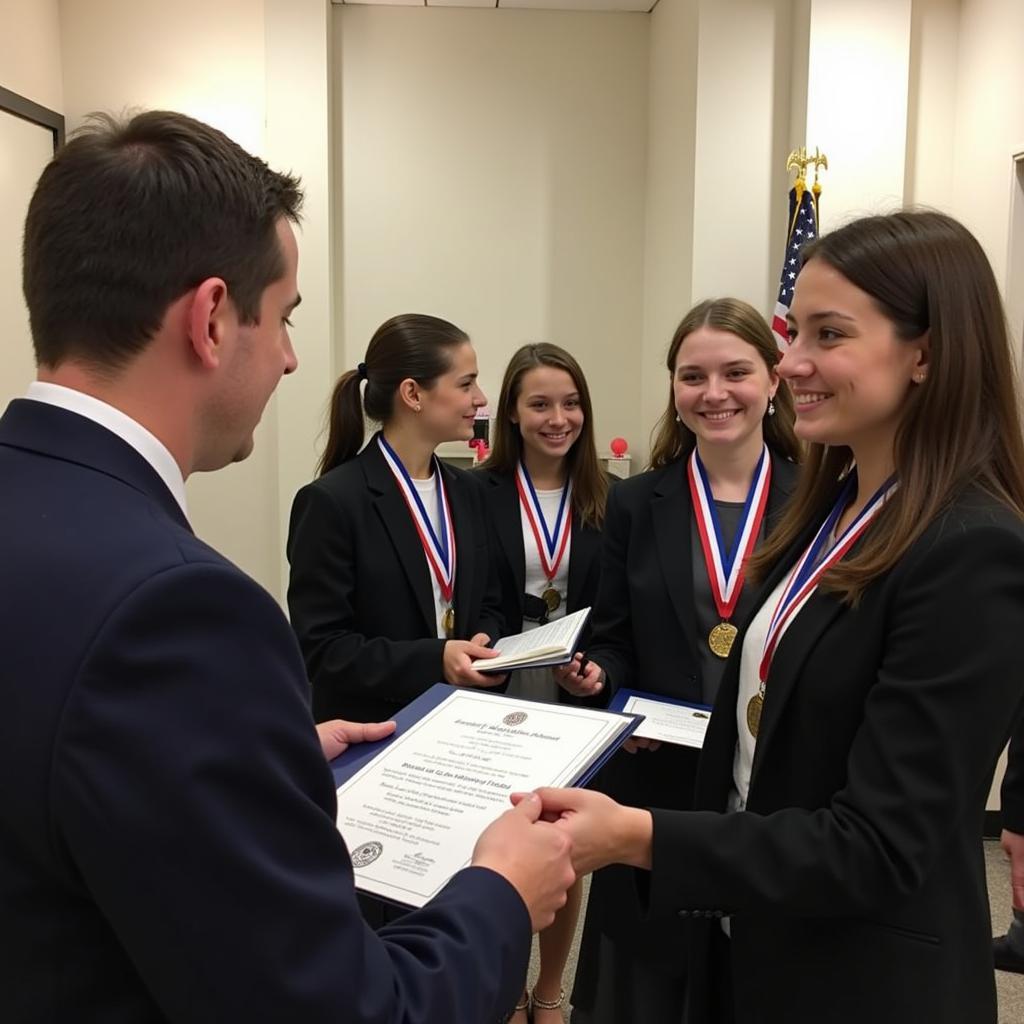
column 537, row 5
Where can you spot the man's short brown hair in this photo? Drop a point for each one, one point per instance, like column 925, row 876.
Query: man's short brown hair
column 131, row 214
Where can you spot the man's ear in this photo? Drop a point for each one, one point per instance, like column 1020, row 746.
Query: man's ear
column 210, row 316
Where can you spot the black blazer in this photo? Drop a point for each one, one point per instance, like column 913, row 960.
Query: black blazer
column 645, row 639
column 360, row 594
column 855, row 880
column 168, row 847
column 501, row 499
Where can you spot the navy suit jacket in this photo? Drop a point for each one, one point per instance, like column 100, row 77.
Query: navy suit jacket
column 168, row 849
column 360, row 595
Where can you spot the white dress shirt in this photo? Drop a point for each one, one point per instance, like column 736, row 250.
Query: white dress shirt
column 130, row 431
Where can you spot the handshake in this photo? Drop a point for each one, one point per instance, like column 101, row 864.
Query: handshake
column 542, row 843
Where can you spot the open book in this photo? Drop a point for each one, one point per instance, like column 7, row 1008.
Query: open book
column 551, row 644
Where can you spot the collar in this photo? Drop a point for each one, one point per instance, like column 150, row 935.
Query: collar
column 130, row 431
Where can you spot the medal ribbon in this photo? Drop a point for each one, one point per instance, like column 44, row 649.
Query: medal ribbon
column 440, row 551
column 726, row 570
column 809, row 569
column 551, row 546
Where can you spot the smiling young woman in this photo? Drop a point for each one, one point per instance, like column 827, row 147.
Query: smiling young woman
column 723, row 465
column 545, row 494
column 391, row 587
column 845, row 771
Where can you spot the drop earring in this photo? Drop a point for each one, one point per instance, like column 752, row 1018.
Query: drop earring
column 771, row 406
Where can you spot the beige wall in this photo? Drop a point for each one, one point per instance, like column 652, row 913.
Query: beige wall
column 989, row 131
column 218, row 62
column 857, row 89
column 30, row 56
column 495, row 174
column 30, row 65
column 742, row 131
column 671, row 149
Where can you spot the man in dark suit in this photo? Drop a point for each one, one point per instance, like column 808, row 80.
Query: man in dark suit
column 168, row 849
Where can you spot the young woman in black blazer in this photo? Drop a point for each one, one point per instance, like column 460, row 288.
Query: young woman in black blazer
column 843, row 781
column 726, row 436
column 545, row 494
column 375, row 541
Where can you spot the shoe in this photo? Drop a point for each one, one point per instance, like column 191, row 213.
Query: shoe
column 1005, row 957
column 524, row 1005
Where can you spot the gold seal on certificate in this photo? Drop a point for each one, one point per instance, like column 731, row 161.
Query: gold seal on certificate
column 552, row 599
column 448, row 622
column 721, row 638
column 754, row 708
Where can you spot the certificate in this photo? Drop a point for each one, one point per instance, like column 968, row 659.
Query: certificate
column 665, row 719
column 412, row 812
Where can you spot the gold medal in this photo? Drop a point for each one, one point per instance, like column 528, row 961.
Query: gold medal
column 721, row 638
column 448, row 621
column 754, row 708
column 552, row 598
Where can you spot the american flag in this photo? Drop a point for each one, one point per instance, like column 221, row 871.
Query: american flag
column 803, row 226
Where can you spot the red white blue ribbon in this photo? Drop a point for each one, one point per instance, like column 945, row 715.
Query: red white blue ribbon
column 727, row 569
column 807, row 572
column 440, row 551
column 551, row 544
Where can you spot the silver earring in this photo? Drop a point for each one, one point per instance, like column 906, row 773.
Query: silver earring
column 918, row 378
column 771, row 406
column 678, row 420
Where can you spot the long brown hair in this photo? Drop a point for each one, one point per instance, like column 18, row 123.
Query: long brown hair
column 672, row 440
column 589, row 482
column 410, row 345
column 928, row 275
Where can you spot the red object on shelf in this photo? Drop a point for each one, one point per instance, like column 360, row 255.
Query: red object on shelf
column 619, row 447
column 481, row 448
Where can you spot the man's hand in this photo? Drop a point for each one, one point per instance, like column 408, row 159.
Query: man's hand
column 337, row 735
column 458, row 658
column 603, row 832
column 1013, row 846
column 532, row 855
column 589, row 683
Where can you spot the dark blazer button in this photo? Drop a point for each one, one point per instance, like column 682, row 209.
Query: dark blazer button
column 718, row 913
column 684, row 913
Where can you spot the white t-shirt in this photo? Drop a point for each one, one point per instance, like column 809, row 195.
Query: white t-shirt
column 536, row 582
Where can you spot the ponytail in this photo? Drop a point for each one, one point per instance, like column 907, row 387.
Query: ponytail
column 345, row 423
column 411, row 345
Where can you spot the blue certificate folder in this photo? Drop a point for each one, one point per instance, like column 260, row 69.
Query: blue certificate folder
column 359, row 755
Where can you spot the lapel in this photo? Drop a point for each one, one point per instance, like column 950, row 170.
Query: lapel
column 784, row 478
column 796, row 644
column 503, row 498
column 584, row 548
column 59, row 433
column 671, row 512
column 394, row 514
